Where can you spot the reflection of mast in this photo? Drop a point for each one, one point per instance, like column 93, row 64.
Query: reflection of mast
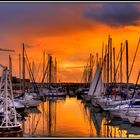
column 43, row 116
column 97, row 125
column 23, row 126
column 50, row 119
column 51, row 116
column 107, row 130
column 29, row 125
column 55, row 117
column 88, row 116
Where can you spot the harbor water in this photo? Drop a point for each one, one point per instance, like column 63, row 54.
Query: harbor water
column 70, row 117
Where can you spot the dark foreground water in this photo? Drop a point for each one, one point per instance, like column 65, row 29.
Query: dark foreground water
column 70, row 117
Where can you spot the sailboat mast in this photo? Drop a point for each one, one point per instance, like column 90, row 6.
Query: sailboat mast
column 50, row 69
column 105, row 69
column 23, row 69
column 114, row 58
column 55, row 71
column 96, row 59
column 127, row 65
column 19, row 66
column 43, row 62
column 10, row 66
column 110, row 60
column 121, row 65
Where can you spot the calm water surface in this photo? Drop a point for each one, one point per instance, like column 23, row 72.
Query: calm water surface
column 70, row 117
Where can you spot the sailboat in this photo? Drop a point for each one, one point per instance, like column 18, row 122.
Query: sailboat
column 95, row 87
column 27, row 99
column 97, row 93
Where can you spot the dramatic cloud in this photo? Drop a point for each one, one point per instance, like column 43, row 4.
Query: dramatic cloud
column 43, row 19
column 62, row 31
column 115, row 14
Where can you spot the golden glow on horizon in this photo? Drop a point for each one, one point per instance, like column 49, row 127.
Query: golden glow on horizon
column 73, row 49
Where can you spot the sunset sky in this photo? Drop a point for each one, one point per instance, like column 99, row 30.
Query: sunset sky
column 68, row 31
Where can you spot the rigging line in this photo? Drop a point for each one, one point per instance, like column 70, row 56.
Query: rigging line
column 40, row 76
column 45, row 73
column 38, row 69
column 36, row 124
column 45, row 113
column 29, row 46
column 29, row 67
column 119, row 61
column 134, row 59
column 30, row 71
column 136, row 84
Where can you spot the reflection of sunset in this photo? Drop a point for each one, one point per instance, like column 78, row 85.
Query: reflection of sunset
column 68, row 115
column 71, row 118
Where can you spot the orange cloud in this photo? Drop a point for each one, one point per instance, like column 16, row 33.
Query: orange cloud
column 62, row 31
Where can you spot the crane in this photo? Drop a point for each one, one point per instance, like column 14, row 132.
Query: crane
column 9, row 120
column 7, row 106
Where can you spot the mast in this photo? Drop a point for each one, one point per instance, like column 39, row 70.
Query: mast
column 10, row 66
column 105, row 69
column 90, row 68
column 20, row 70
column 111, row 60
column 121, row 65
column 114, row 65
column 96, row 59
column 55, row 71
column 108, row 60
column 127, row 66
column 100, row 61
column 102, row 51
column 23, row 68
column 50, row 69
column 43, row 62
column 33, row 68
column 19, row 66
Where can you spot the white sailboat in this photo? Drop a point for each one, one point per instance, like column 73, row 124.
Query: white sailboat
column 98, row 93
column 95, row 87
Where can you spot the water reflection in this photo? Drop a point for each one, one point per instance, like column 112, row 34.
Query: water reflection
column 69, row 117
